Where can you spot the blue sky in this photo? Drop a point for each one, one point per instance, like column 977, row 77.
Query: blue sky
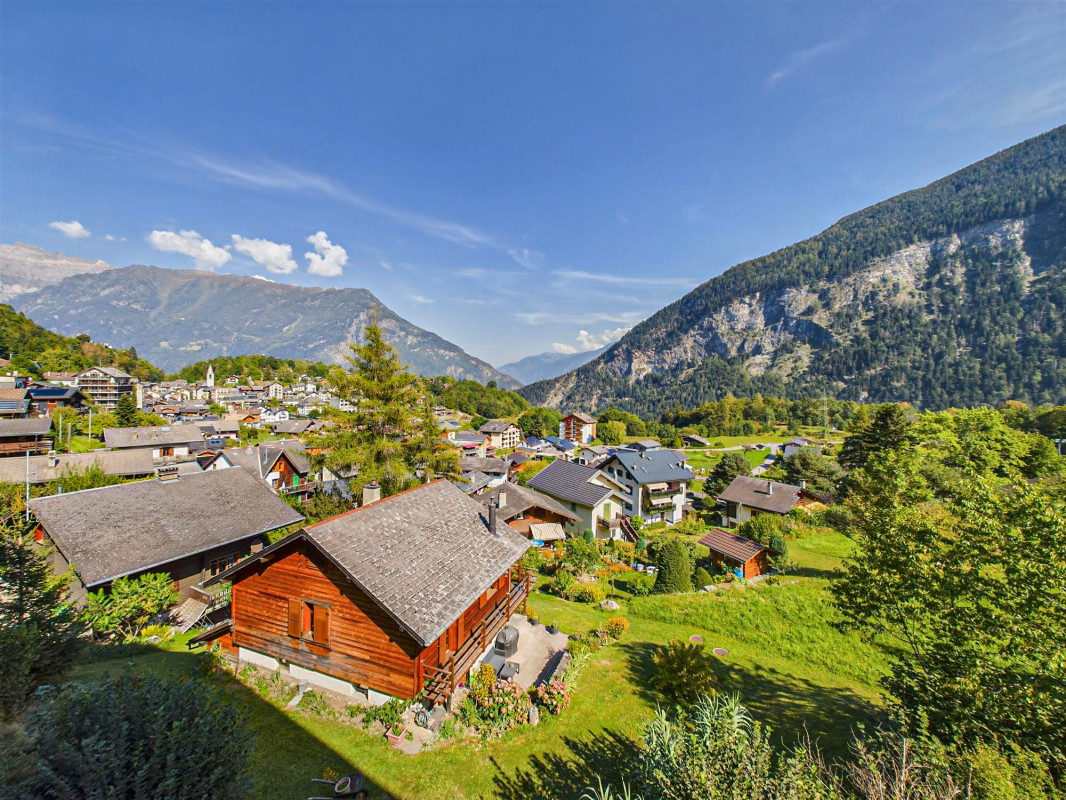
column 516, row 177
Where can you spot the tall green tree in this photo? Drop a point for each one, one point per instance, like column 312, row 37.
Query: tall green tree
column 126, row 411
column 729, row 467
column 389, row 437
column 822, row 474
column 887, row 430
column 971, row 588
column 38, row 628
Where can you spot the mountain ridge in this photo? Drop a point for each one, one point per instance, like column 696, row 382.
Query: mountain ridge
column 543, row 366
column 889, row 303
column 175, row 317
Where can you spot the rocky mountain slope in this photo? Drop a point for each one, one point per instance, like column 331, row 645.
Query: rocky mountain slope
column 953, row 294
column 548, row 365
column 26, row 268
column 175, row 317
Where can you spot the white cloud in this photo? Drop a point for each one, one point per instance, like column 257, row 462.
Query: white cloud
column 328, row 260
column 264, row 278
column 420, row 299
column 109, row 238
column 590, row 341
column 801, row 58
column 622, row 217
column 622, row 280
column 72, row 229
column 275, row 257
column 530, row 259
column 190, row 243
column 555, row 317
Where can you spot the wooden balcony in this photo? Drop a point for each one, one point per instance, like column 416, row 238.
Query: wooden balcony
column 442, row 681
column 40, row 447
column 619, row 524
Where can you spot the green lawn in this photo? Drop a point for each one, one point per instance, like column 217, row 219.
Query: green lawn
column 790, row 666
column 704, row 460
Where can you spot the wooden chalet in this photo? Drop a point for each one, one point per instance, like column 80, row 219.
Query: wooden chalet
column 400, row 594
column 21, row 436
column 745, row 557
column 189, row 526
column 522, row 508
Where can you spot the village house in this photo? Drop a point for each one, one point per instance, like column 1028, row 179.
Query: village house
column 272, row 416
column 286, row 470
column 188, row 526
column 586, row 492
column 579, row 428
column 271, row 389
column 54, row 466
column 165, row 441
column 797, row 444
column 744, row 557
column 502, row 433
column 14, row 401
column 747, row 497
column 471, row 443
column 652, row 482
column 400, row 596
column 45, row 398
column 105, row 385
column 498, row 469
column 532, row 514
column 22, row 435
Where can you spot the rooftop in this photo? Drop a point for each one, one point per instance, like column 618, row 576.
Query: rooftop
column 149, row 436
column 760, row 494
column 732, row 546
column 653, row 466
column 518, row 499
column 570, row 481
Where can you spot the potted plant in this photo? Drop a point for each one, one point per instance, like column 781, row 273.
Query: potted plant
column 534, row 620
column 396, row 733
column 553, row 628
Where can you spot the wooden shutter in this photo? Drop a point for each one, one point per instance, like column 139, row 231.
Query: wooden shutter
column 321, row 626
column 296, row 618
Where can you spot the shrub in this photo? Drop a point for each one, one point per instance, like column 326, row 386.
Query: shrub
column 638, row 523
column 641, row 585
column 702, row 578
column 118, row 737
column 684, row 671
column 564, row 581
column 581, row 556
column 553, row 698
column 675, row 570
column 778, row 543
column 505, row 707
column 616, row 626
column 589, row 536
column 760, row 528
column 129, row 604
column 388, row 714
column 481, row 682
column 586, row 593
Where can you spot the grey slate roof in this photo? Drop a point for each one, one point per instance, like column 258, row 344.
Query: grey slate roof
column 292, row 426
column 568, row 480
column 162, row 436
column 581, row 416
column 518, row 499
column 496, row 426
column 755, row 493
column 118, row 530
column 424, row 555
column 731, row 545
column 652, row 466
column 113, row 372
column 474, row 482
column 39, row 426
column 123, row 463
column 265, row 457
column 490, row 466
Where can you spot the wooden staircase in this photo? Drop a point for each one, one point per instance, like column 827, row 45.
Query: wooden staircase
column 188, row 613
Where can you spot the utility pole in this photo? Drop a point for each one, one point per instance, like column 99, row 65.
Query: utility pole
column 27, row 484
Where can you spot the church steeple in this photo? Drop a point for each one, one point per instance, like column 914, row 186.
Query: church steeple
column 210, row 379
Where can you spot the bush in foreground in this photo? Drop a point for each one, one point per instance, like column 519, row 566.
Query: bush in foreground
column 675, row 569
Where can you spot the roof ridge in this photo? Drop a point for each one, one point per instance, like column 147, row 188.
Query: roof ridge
column 376, row 502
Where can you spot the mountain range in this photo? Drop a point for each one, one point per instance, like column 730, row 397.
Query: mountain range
column 948, row 295
column 174, row 317
column 26, row 268
column 548, row 365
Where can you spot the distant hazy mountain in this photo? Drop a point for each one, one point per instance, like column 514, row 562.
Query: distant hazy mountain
column 548, row 365
column 952, row 294
column 26, row 268
column 175, row 317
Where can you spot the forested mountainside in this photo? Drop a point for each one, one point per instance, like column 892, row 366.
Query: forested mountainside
column 33, row 349
column 949, row 295
column 176, row 317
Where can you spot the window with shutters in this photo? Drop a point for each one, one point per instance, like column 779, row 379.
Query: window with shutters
column 309, row 621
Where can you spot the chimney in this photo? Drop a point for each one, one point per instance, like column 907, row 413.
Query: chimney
column 371, row 493
column 769, row 487
column 494, row 506
column 803, row 484
column 166, row 474
column 501, row 498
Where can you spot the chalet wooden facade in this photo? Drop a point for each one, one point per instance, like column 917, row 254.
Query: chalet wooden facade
column 744, row 557
column 402, row 594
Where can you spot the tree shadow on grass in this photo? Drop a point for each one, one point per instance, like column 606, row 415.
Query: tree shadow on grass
column 794, row 707
column 286, row 756
column 555, row 776
column 809, row 572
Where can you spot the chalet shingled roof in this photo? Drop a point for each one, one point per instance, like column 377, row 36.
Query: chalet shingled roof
column 732, row 546
column 761, row 494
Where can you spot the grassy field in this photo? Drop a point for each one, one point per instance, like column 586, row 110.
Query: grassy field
column 705, row 460
column 790, row 666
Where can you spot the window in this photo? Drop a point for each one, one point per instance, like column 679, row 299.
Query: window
column 309, row 621
column 222, row 563
column 166, row 451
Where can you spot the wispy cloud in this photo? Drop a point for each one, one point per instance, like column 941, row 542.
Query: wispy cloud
column 420, row 299
column 623, row 280
column 555, row 317
column 262, row 173
column 622, row 217
column 525, row 257
column 801, row 58
column 109, row 238
column 72, row 229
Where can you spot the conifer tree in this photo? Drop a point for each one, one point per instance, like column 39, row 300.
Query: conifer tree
column 126, row 411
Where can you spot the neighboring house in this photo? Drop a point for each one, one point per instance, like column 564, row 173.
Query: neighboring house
column 105, row 385
column 521, row 507
column 643, row 445
column 291, row 427
column 448, row 428
column 474, row 483
column 502, row 433
column 746, row 497
column 46, row 398
column 272, row 416
column 122, row 463
column 21, row 436
column 188, row 526
column 694, row 440
column 14, row 402
column 284, row 469
column 272, row 389
column 60, row 378
column 400, row 596
column 497, row 469
column 797, row 444
column 559, row 448
column 165, row 441
column 595, row 454
column 652, row 482
column 471, row 443
column 746, row 558
column 221, row 429
column 584, row 491
column 578, row 428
